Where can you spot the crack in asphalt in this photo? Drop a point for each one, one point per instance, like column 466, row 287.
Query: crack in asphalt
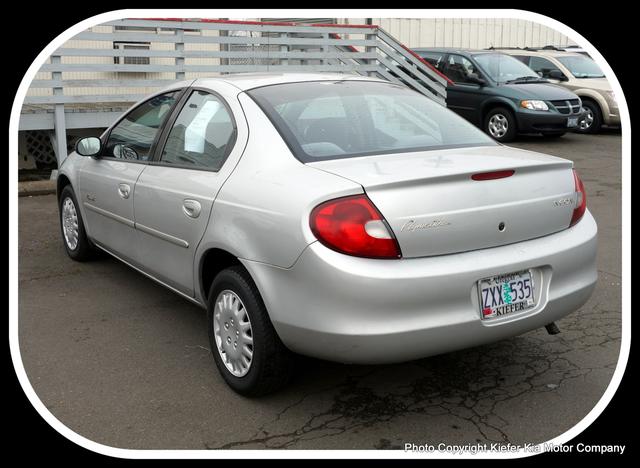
column 468, row 385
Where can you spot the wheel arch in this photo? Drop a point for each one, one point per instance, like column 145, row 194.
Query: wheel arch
column 213, row 261
column 495, row 103
column 61, row 182
column 591, row 97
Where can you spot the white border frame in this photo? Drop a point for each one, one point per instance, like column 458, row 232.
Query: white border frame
column 290, row 13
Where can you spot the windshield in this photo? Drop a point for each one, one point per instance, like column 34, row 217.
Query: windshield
column 340, row 119
column 503, row 68
column 581, row 66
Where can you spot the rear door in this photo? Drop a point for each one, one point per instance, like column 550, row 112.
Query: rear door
column 175, row 193
column 464, row 96
column 106, row 183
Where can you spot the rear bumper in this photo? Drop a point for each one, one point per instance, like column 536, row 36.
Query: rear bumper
column 544, row 122
column 347, row 309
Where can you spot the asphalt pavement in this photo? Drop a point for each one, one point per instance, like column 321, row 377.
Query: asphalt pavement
column 126, row 363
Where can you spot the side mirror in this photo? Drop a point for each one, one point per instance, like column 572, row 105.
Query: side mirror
column 557, row 75
column 89, row 146
column 475, row 78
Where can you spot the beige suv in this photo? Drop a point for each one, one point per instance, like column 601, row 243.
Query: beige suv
column 577, row 73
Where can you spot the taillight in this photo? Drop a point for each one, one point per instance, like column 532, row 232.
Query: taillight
column 581, row 200
column 353, row 226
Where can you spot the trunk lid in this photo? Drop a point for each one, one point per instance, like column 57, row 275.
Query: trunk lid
column 434, row 207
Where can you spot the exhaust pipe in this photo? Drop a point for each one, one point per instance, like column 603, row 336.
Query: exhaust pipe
column 552, row 328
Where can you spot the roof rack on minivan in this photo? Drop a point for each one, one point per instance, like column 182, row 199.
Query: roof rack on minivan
column 503, row 48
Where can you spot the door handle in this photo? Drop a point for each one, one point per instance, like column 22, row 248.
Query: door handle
column 191, row 208
column 124, row 190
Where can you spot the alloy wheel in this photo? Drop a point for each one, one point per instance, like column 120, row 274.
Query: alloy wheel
column 498, row 125
column 70, row 223
column 587, row 121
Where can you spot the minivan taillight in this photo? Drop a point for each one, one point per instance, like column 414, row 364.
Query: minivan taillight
column 581, row 200
column 353, row 226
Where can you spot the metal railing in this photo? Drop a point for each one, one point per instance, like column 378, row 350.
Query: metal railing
column 162, row 51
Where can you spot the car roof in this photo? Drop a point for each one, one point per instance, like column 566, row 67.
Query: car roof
column 457, row 50
column 245, row 81
column 540, row 52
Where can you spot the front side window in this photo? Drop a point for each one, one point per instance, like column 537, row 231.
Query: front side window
column 133, row 136
column 340, row 119
column 504, row 68
column 581, row 66
column 459, row 68
column 202, row 135
column 523, row 58
column 542, row 66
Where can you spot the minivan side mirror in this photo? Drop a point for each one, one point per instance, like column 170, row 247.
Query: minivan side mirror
column 89, row 146
column 557, row 75
column 475, row 78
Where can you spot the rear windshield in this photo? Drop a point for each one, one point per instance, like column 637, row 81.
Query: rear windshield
column 340, row 119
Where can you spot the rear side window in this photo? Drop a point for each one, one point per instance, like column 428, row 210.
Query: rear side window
column 202, row 135
column 340, row 119
column 434, row 58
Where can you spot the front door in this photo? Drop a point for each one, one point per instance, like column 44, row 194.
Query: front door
column 464, row 96
column 175, row 194
column 106, row 183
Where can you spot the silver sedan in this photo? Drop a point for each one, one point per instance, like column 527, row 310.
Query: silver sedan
column 341, row 217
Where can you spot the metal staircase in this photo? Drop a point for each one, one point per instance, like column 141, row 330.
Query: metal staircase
column 101, row 71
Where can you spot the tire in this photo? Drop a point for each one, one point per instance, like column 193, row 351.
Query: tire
column 500, row 124
column 271, row 363
column 594, row 116
column 553, row 135
column 82, row 250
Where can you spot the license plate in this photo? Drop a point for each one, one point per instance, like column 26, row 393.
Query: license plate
column 572, row 122
column 506, row 294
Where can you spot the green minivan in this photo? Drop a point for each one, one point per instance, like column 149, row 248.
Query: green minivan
column 503, row 96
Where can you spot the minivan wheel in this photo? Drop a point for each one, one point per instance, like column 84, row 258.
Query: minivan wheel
column 246, row 349
column 74, row 236
column 500, row 124
column 592, row 121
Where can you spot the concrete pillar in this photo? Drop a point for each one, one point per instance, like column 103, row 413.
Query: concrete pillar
column 179, row 46
column 59, row 124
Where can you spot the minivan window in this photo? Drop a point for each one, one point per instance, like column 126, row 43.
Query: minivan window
column 503, row 68
column 581, row 66
column 434, row 58
column 542, row 66
column 340, row 119
column 459, row 68
column 523, row 58
column 133, row 136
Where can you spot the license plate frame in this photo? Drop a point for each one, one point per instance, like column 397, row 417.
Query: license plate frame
column 498, row 304
column 572, row 122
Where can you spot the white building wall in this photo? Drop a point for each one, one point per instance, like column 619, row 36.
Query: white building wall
column 472, row 33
